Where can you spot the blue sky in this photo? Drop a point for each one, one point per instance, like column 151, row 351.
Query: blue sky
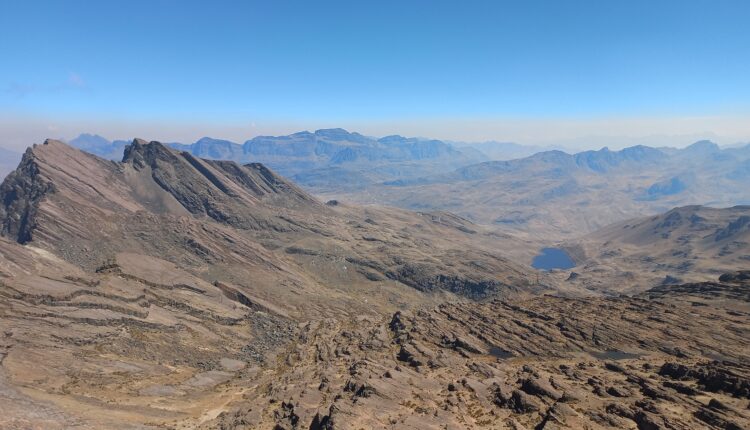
column 475, row 70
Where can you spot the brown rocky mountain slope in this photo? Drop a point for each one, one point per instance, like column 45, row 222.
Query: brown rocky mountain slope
column 172, row 292
column 691, row 243
column 166, row 266
column 242, row 224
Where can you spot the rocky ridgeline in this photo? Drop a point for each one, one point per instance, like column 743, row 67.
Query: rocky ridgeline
column 191, row 211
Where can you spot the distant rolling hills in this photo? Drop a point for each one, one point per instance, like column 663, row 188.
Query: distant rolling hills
column 555, row 195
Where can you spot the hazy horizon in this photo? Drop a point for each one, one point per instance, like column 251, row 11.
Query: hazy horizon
column 19, row 136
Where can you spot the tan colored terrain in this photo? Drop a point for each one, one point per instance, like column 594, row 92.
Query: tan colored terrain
column 657, row 361
column 172, row 292
column 138, row 287
column 692, row 243
column 244, row 225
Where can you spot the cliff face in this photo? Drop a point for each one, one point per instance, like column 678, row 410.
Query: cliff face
column 20, row 195
column 81, row 193
column 208, row 187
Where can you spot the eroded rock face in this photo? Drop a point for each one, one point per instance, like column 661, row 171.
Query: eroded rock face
column 715, row 376
column 539, row 387
column 736, row 277
column 22, row 191
column 423, row 277
column 568, row 368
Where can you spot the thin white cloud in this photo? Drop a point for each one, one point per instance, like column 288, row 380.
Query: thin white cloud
column 75, row 80
column 20, row 90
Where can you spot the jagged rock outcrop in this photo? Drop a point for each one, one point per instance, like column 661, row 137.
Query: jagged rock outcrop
column 569, row 368
column 22, row 191
column 163, row 202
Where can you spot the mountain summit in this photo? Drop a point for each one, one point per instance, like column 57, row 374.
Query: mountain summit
column 58, row 191
column 87, row 209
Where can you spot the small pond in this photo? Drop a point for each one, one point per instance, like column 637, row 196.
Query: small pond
column 500, row 353
column 552, row 258
column 614, row 355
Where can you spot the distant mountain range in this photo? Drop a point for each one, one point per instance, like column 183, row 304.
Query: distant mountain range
column 550, row 193
column 324, row 147
column 556, row 194
column 553, row 164
column 330, row 158
column 97, row 145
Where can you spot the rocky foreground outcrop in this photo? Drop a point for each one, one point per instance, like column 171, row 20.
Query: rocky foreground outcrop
column 660, row 362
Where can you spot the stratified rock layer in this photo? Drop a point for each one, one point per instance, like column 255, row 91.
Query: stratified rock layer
column 669, row 361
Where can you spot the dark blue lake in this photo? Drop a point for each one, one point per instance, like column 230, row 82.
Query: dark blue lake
column 614, row 355
column 552, row 258
column 500, row 353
